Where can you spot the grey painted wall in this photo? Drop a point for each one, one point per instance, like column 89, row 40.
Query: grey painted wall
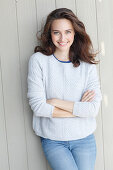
column 20, row 148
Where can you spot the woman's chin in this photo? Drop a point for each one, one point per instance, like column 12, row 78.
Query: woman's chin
column 63, row 48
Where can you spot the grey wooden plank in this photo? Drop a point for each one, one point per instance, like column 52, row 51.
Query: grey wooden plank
column 27, row 28
column 66, row 4
column 12, row 87
column 105, row 32
column 4, row 164
column 86, row 11
column 44, row 7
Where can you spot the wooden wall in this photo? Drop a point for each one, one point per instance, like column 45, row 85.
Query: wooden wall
column 20, row 148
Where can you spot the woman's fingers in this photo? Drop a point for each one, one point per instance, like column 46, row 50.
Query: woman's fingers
column 88, row 96
column 85, row 94
column 90, row 100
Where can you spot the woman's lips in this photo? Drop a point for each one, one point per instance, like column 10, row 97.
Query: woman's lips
column 62, row 43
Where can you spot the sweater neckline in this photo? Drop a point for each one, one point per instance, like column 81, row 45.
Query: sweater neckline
column 61, row 60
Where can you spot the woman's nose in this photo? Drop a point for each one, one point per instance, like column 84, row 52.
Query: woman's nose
column 62, row 37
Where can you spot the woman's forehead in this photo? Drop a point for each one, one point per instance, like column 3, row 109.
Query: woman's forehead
column 62, row 24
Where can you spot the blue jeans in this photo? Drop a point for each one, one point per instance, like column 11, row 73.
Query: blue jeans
column 70, row 155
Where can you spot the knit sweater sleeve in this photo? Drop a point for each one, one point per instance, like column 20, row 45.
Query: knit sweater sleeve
column 90, row 109
column 36, row 92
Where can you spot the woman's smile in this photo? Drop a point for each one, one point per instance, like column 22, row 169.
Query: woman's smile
column 62, row 43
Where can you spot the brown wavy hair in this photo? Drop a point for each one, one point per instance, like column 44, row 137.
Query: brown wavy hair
column 81, row 49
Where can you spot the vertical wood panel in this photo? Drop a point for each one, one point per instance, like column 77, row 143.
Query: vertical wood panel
column 12, row 87
column 86, row 11
column 4, row 164
column 44, row 7
column 27, row 29
column 66, row 4
column 105, row 30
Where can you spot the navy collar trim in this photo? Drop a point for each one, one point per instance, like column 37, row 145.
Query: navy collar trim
column 61, row 60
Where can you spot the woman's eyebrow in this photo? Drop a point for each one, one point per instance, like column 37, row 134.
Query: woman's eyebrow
column 65, row 30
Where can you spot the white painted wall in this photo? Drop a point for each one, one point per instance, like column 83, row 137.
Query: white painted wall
column 20, row 148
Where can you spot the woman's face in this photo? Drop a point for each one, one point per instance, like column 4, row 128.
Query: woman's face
column 62, row 34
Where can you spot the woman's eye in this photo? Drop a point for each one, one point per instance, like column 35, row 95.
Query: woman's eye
column 68, row 32
column 56, row 33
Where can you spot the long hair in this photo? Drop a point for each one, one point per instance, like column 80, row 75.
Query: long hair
column 81, row 48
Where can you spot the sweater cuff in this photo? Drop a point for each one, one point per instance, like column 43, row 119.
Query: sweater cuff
column 83, row 109
column 52, row 109
column 76, row 108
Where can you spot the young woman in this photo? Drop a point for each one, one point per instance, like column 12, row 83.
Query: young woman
column 64, row 92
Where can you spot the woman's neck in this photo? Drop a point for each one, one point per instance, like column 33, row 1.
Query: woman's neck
column 62, row 55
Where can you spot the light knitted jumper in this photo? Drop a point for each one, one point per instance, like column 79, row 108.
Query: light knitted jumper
column 50, row 78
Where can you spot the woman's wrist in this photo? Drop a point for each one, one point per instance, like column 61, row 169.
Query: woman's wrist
column 52, row 101
column 62, row 104
column 61, row 113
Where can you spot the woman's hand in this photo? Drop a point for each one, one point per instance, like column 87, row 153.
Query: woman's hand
column 88, row 96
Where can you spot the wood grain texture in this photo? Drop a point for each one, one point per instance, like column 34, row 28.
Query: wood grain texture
column 105, row 34
column 12, row 91
column 4, row 157
column 27, row 29
column 66, row 4
column 44, row 7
